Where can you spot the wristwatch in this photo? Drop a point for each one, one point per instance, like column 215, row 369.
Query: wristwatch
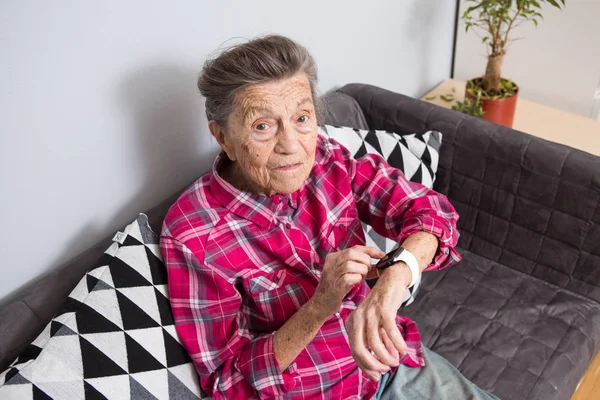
column 401, row 254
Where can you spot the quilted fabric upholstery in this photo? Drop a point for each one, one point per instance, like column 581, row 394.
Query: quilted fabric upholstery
column 507, row 331
column 520, row 314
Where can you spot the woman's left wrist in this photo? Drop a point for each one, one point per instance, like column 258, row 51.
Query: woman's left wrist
column 397, row 274
column 392, row 283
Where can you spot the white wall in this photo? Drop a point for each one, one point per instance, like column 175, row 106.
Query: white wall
column 557, row 64
column 100, row 117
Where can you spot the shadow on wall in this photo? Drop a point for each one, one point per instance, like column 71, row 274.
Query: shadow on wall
column 172, row 141
column 171, row 148
column 171, row 144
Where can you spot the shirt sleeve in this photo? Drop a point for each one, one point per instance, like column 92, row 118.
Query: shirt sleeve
column 232, row 362
column 396, row 207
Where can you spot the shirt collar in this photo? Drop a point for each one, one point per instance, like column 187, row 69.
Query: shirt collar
column 254, row 207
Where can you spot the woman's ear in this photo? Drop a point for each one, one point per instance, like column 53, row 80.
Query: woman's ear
column 219, row 134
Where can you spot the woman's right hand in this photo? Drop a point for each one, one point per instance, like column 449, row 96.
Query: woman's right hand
column 342, row 270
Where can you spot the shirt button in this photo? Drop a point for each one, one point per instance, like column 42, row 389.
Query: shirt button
column 342, row 226
column 288, row 225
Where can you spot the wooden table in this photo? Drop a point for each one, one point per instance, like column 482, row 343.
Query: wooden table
column 590, row 384
column 536, row 119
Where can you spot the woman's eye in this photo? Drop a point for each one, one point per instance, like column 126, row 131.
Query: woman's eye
column 261, row 127
column 303, row 119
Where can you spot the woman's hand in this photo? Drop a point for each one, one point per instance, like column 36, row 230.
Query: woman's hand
column 343, row 270
column 372, row 326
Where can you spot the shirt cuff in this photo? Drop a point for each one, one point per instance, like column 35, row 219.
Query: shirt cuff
column 259, row 366
column 446, row 254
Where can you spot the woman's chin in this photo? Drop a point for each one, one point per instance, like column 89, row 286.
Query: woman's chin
column 287, row 186
column 288, row 181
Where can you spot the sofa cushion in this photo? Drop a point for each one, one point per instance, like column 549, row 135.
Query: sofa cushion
column 114, row 337
column 507, row 331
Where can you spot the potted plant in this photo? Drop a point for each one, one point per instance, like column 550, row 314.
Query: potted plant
column 496, row 19
column 470, row 106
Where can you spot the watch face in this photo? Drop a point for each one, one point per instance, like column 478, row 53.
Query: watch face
column 389, row 259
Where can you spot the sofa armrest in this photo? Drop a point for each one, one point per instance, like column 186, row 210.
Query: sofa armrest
column 524, row 202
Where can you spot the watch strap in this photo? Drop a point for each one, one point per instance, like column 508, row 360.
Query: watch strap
column 413, row 265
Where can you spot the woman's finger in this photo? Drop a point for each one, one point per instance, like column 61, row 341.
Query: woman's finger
column 374, row 341
column 354, row 254
column 347, row 281
column 388, row 344
column 373, row 252
column 362, row 254
column 358, row 346
column 393, row 333
column 354, row 267
column 373, row 375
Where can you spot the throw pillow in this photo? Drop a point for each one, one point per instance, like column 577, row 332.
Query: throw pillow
column 417, row 155
column 114, row 337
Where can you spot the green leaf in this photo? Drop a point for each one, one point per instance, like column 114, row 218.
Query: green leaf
column 535, row 22
column 536, row 4
column 430, row 97
column 472, row 8
column 554, row 3
column 447, row 97
column 469, row 107
column 485, row 39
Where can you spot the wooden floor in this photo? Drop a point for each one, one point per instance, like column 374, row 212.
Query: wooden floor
column 590, row 385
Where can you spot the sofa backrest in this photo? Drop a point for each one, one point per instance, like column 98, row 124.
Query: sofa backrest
column 524, row 202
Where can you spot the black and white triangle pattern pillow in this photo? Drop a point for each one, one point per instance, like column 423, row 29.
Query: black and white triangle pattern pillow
column 114, row 337
column 417, row 155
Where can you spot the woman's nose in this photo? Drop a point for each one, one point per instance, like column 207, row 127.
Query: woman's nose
column 287, row 142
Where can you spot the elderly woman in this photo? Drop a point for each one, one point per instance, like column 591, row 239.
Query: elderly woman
column 266, row 256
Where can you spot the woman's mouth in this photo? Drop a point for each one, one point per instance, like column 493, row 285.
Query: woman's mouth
column 289, row 167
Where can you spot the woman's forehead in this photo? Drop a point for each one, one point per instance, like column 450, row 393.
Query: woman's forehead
column 288, row 92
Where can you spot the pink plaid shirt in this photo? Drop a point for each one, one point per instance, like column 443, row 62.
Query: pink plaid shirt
column 241, row 264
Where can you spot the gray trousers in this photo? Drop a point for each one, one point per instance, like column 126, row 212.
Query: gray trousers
column 437, row 380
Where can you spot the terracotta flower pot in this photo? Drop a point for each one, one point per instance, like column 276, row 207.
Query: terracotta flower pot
column 501, row 111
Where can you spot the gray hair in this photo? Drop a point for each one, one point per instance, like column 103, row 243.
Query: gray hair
column 259, row 60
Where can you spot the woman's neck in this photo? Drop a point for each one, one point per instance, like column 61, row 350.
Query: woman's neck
column 230, row 172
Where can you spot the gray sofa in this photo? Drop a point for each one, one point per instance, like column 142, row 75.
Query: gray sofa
column 520, row 315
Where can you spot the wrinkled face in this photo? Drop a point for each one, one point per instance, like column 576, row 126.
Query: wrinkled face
column 272, row 135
